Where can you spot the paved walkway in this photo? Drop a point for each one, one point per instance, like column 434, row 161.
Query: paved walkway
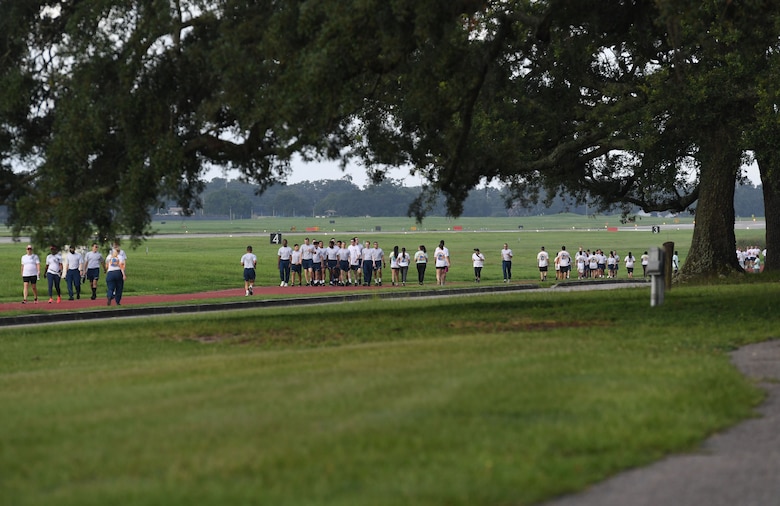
column 739, row 467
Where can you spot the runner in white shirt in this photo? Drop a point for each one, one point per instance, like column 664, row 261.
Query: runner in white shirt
column 378, row 255
column 295, row 265
column 602, row 263
column 307, row 250
column 343, row 262
column 31, row 273
column 367, row 263
column 332, row 262
column 395, row 269
column 593, row 264
column 317, row 261
column 543, row 262
column 284, row 257
column 355, row 261
column 94, row 261
column 441, row 256
column 54, row 273
column 644, row 259
column 630, row 261
column 563, row 259
column 404, row 260
column 506, row 263
column 75, row 269
column 478, row 262
column 611, row 266
column 249, row 263
column 581, row 259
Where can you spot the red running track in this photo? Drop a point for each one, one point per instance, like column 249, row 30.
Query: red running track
column 147, row 300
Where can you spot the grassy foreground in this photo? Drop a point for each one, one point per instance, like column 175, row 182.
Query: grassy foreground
column 485, row 400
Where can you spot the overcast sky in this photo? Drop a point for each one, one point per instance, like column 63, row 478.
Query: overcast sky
column 330, row 170
column 315, row 171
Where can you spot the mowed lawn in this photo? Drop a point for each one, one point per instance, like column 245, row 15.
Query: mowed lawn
column 190, row 263
column 488, row 400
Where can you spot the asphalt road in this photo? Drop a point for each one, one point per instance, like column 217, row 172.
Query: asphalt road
column 739, row 467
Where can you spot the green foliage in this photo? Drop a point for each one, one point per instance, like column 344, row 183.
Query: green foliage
column 635, row 103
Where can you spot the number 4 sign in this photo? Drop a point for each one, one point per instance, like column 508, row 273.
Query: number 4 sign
column 276, row 238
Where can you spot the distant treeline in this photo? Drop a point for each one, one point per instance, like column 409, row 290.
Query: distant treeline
column 223, row 197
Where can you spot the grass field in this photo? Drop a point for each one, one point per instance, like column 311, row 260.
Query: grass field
column 489, row 400
column 200, row 261
column 484, row 400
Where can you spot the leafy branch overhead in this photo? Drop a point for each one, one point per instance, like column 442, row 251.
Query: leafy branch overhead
column 108, row 109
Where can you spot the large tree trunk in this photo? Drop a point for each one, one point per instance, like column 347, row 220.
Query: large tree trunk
column 770, row 183
column 713, row 248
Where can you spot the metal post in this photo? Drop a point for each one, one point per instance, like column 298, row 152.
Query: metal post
column 656, row 268
column 656, row 290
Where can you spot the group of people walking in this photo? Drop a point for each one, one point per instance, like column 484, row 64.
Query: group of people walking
column 590, row 264
column 343, row 263
column 750, row 258
column 77, row 269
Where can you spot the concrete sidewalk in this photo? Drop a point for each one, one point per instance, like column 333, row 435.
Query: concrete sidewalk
column 739, row 467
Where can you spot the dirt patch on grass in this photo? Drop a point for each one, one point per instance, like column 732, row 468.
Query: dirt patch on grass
column 283, row 336
column 522, row 325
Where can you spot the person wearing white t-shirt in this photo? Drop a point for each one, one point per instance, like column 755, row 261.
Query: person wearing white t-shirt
column 54, row 273
column 355, row 262
column 593, row 265
column 284, row 259
column 581, row 259
column 602, row 263
column 307, row 250
column 478, row 262
column 630, row 261
column 506, row 263
column 343, row 256
column 395, row 269
column 367, row 263
column 317, row 261
column 611, row 265
column 403, row 265
column 74, row 269
column 31, row 273
column 644, row 260
column 441, row 256
column 563, row 260
column 421, row 262
column 332, row 262
column 115, row 276
column 94, row 262
column 249, row 263
column 296, row 270
column 543, row 262
column 378, row 255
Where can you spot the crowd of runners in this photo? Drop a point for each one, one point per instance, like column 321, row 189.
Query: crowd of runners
column 356, row 263
column 77, row 267
column 342, row 263
column 592, row 264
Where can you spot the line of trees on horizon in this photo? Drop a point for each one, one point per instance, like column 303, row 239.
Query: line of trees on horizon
column 223, row 197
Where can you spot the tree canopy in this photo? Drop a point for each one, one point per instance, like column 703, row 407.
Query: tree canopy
column 112, row 107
